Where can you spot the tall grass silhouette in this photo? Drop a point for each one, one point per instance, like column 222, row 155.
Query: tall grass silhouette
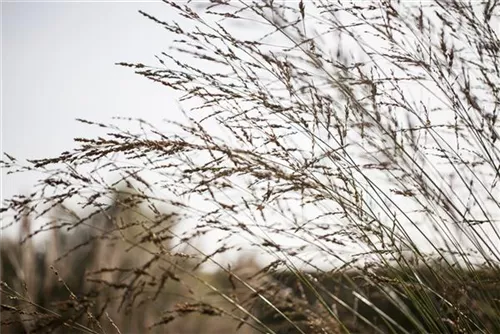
column 352, row 146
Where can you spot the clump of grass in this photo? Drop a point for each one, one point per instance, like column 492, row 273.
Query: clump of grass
column 343, row 138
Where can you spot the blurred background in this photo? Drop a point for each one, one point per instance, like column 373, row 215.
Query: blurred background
column 58, row 65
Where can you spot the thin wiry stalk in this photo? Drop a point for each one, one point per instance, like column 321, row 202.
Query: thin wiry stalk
column 352, row 141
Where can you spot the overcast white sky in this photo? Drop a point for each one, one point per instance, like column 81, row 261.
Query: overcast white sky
column 58, row 65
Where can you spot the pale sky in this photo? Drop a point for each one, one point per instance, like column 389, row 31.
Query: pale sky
column 58, row 65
